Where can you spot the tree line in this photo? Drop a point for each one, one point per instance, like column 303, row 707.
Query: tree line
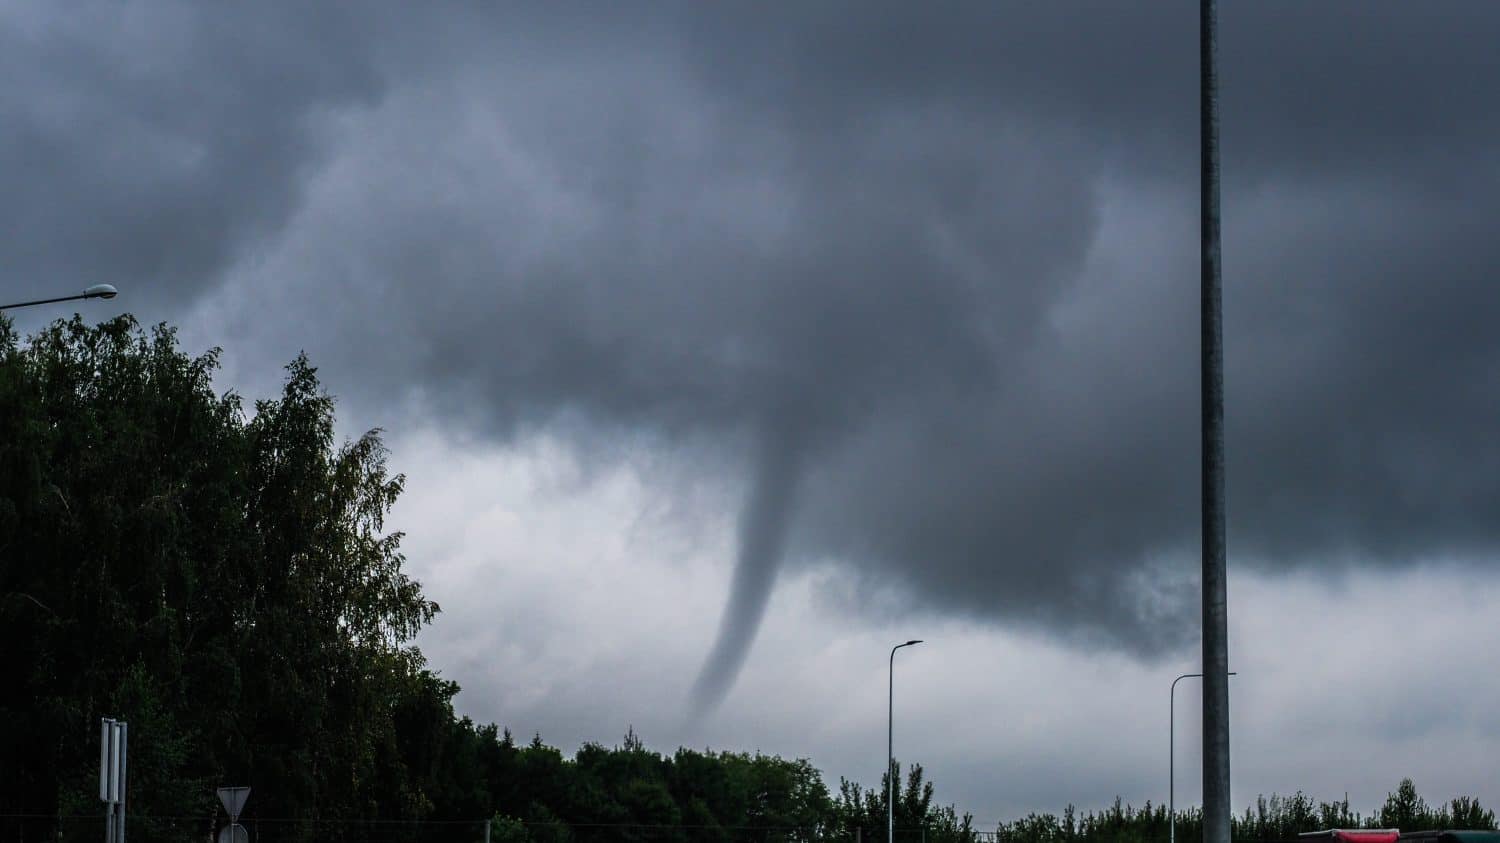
column 221, row 578
column 1270, row 819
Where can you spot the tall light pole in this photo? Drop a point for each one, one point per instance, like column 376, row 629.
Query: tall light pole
column 890, row 757
column 1216, row 809
column 1172, row 758
column 98, row 291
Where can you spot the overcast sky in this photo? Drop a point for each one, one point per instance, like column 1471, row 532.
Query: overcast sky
column 725, row 345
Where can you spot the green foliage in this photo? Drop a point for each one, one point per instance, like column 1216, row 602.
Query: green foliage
column 1403, row 807
column 505, row 829
column 1271, row 819
column 220, row 582
column 916, row 819
column 1465, row 812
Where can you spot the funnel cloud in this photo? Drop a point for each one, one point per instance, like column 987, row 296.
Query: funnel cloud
column 762, row 540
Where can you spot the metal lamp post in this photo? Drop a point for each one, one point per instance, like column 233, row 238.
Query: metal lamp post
column 1172, row 757
column 890, row 758
column 98, row 291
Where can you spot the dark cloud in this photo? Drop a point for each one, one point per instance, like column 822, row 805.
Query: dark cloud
column 147, row 144
column 945, row 259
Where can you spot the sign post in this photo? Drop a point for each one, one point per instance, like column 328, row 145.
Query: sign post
column 113, row 742
column 233, row 800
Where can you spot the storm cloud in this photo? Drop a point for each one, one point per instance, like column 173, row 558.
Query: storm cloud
column 922, row 282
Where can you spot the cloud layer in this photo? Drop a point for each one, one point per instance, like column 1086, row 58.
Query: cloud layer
column 934, row 270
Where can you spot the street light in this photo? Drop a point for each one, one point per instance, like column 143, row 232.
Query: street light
column 890, row 758
column 1172, row 757
column 98, row 291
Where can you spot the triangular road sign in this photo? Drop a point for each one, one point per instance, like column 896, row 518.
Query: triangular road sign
column 233, row 799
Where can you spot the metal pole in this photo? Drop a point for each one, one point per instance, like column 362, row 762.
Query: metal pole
column 1172, row 759
column 41, row 301
column 1216, row 808
column 109, row 778
column 124, row 778
column 98, row 291
column 890, row 757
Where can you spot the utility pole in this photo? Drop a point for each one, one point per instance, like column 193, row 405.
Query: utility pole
column 1216, row 809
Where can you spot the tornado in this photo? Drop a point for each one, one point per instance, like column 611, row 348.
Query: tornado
column 762, row 540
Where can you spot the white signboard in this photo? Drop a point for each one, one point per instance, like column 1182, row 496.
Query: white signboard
column 233, row 800
column 112, row 745
column 106, row 733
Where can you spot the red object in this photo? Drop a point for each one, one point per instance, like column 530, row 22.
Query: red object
column 1355, row 835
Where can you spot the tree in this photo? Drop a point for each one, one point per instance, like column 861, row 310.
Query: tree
column 916, row 817
column 1405, row 810
column 1465, row 812
column 222, row 582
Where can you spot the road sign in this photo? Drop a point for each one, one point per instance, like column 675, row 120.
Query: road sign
column 233, row 800
column 234, row 833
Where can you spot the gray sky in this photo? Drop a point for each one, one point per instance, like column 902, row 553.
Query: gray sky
column 893, row 309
